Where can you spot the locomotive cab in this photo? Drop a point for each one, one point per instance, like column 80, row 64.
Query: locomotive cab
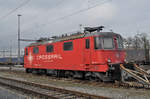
column 109, row 54
column 111, row 45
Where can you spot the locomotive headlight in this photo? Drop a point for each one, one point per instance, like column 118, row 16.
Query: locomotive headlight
column 125, row 60
column 109, row 60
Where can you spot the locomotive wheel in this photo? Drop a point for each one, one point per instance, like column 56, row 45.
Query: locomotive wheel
column 93, row 78
column 90, row 76
column 43, row 71
column 69, row 74
column 40, row 71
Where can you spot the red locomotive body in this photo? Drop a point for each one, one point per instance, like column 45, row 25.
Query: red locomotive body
column 89, row 55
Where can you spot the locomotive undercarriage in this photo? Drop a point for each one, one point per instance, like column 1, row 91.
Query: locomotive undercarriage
column 114, row 73
column 125, row 73
column 111, row 75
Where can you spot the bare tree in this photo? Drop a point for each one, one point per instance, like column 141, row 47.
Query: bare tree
column 139, row 41
column 128, row 42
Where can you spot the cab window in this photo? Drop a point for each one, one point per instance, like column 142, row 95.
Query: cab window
column 103, row 43
column 119, row 42
column 87, row 43
column 97, row 42
column 108, row 43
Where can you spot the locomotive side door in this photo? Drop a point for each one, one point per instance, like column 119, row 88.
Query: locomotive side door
column 87, row 53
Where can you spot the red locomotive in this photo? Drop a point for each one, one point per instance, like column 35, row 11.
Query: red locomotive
column 91, row 55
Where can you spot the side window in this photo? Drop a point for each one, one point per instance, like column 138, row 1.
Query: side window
column 87, row 43
column 68, row 46
column 26, row 51
column 49, row 48
column 35, row 50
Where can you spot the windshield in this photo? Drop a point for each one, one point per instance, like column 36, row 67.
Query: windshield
column 98, row 42
column 108, row 43
column 103, row 42
column 119, row 42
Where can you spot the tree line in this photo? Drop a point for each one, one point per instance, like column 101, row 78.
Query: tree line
column 138, row 41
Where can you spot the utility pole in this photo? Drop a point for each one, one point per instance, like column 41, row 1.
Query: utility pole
column 3, row 52
column 80, row 26
column 10, row 54
column 19, row 38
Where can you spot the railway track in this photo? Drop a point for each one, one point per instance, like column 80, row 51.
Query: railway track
column 126, row 84
column 117, row 84
column 44, row 91
column 79, row 81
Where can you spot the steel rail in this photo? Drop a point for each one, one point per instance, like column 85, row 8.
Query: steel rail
column 46, row 91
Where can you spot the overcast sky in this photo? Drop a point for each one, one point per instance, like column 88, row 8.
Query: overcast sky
column 45, row 18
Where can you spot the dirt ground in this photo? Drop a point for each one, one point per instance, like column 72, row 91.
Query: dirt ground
column 8, row 94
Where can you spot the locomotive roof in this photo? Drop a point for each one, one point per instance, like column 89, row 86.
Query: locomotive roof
column 71, row 37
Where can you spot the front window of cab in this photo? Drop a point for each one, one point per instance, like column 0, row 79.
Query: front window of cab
column 104, row 43
column 108, row 42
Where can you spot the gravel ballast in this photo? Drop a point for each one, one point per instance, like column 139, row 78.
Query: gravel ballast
column 115, row 93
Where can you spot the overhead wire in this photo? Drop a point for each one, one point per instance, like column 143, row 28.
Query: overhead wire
column 72, row 14
column 54, row 5
column 14, row 10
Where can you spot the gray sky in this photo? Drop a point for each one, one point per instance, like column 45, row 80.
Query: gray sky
column 125, row 17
